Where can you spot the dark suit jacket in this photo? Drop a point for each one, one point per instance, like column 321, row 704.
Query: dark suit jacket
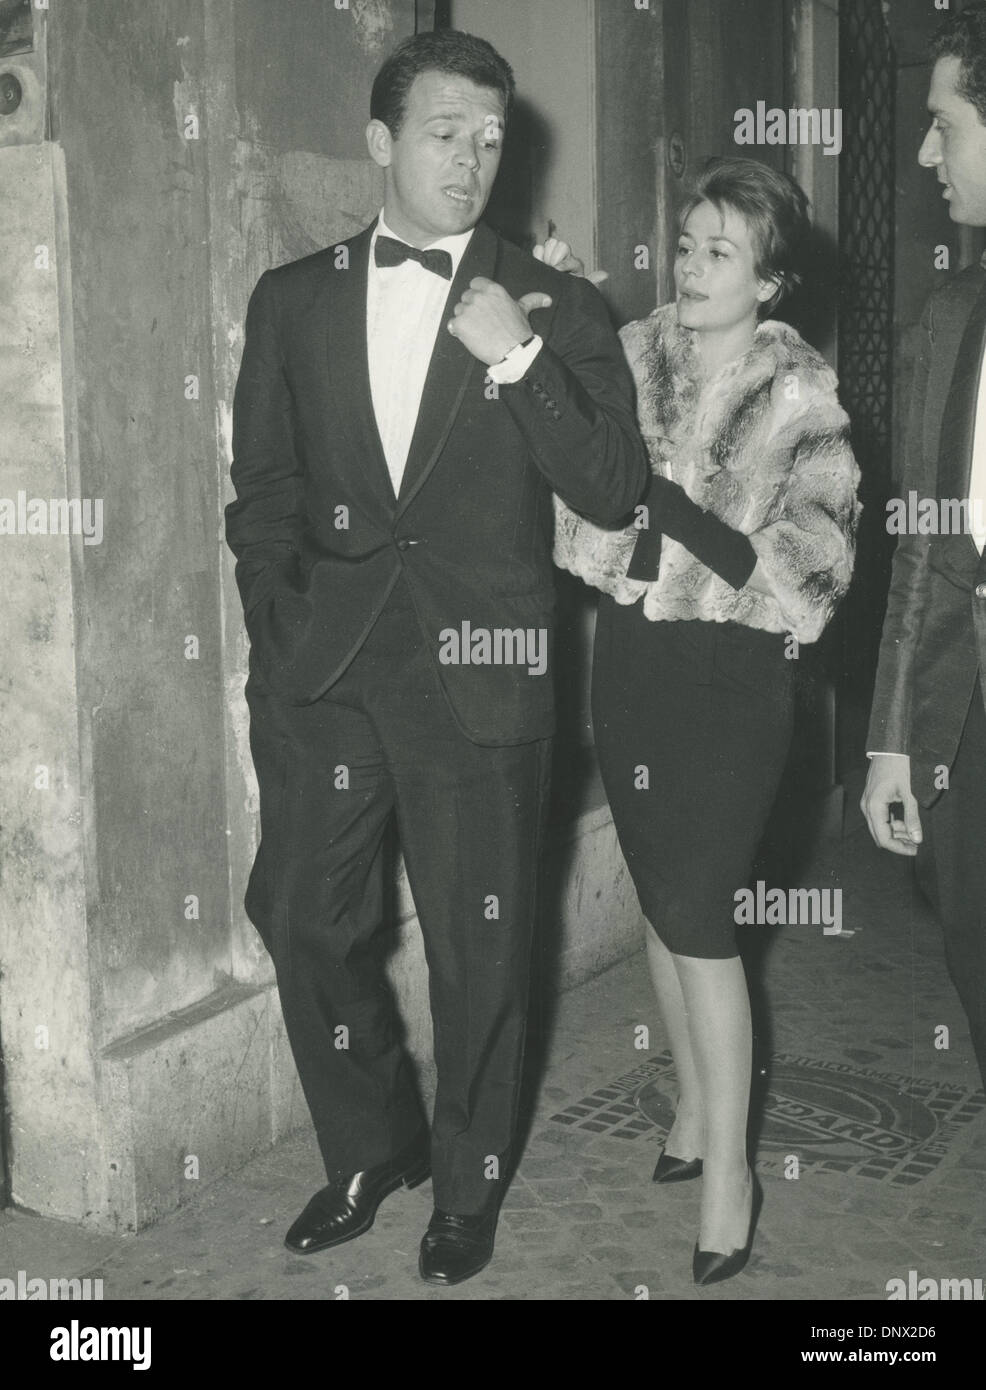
column 934, row 634
column 319, row 537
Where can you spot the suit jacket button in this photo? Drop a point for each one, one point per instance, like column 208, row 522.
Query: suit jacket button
column 981, row 591
column 403, row 544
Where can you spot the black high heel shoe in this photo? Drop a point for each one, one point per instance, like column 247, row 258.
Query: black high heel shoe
column 671, row 1169
column 712, row 1266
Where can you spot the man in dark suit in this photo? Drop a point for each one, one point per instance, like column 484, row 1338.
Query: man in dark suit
column 928, row 726
column 399, row 425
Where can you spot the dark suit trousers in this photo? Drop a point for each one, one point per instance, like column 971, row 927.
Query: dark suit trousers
column 951, row 869
column 470, row 821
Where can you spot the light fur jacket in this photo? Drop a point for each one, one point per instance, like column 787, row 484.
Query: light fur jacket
column 763, row 444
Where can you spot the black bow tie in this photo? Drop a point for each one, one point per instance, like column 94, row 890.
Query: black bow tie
column 388, row 252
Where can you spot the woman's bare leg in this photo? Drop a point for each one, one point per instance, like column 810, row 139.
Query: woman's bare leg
column 717, row 1008
column 686, row 1138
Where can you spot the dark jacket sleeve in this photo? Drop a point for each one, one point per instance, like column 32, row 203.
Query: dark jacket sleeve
column 890, row 716
column 263, row 525
column 671, row 512
column 575, row 408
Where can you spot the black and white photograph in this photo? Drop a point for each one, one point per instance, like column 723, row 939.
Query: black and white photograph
column 493, row 698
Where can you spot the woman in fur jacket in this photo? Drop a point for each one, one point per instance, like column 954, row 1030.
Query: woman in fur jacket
column 740, row 551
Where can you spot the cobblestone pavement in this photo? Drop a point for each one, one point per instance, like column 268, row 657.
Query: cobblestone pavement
column 883, row 1129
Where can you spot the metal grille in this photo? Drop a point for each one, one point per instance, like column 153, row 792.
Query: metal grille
column 866, row 231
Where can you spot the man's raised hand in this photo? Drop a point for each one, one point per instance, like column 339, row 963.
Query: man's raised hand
column 558, row 254
column 489, row 323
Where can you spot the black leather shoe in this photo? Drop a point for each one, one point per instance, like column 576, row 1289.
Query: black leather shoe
column 454, row 1248
column 347, row 1208
column 671, row 1169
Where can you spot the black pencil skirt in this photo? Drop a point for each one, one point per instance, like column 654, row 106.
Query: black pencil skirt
column 693, row 724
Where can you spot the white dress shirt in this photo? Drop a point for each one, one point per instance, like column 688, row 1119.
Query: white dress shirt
column 404, row 313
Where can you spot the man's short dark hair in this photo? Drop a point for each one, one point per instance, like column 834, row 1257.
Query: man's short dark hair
column 774, row 209
column 963, row 36
column 448, row 51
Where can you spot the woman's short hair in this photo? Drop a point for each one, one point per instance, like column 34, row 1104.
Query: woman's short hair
column 446, row 51
column 774, row 209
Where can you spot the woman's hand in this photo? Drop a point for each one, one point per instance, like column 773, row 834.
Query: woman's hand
column 558, row 254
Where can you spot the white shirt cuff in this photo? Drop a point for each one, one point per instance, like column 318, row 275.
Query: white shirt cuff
column 516, row 363
column 884, row 753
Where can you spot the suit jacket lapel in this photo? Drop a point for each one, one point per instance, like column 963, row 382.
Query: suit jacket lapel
column 349, row 373
column 449, row 373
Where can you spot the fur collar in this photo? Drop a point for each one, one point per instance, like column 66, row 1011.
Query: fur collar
column 710, row 433
column 671, row 383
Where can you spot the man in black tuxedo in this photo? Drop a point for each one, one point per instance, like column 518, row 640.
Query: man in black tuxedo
column 407, row 402
column 928, row 725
